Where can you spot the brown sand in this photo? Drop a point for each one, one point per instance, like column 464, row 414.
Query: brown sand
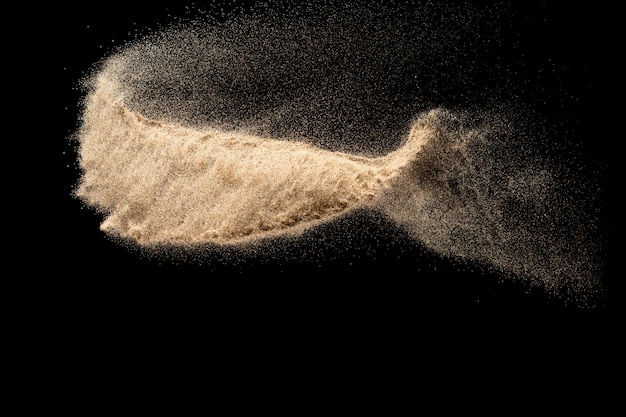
column 160, row 182
column 161, row 166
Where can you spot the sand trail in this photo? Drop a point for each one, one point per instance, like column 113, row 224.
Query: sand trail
column 217, row 134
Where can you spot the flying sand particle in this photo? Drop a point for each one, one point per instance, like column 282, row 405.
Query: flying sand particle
column 229, row 134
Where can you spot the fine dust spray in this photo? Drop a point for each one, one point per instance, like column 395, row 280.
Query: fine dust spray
column 233, row 132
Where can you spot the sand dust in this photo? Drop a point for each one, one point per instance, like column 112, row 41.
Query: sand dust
column 227, row 134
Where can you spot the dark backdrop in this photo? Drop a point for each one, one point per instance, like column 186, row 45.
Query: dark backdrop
column 345, row 304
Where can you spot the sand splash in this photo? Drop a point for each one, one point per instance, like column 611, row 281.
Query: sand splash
column 257, row 128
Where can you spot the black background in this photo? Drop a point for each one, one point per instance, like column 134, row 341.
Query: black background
column 360, row 303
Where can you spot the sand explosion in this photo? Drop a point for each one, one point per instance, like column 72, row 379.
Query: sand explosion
column 231, row 133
